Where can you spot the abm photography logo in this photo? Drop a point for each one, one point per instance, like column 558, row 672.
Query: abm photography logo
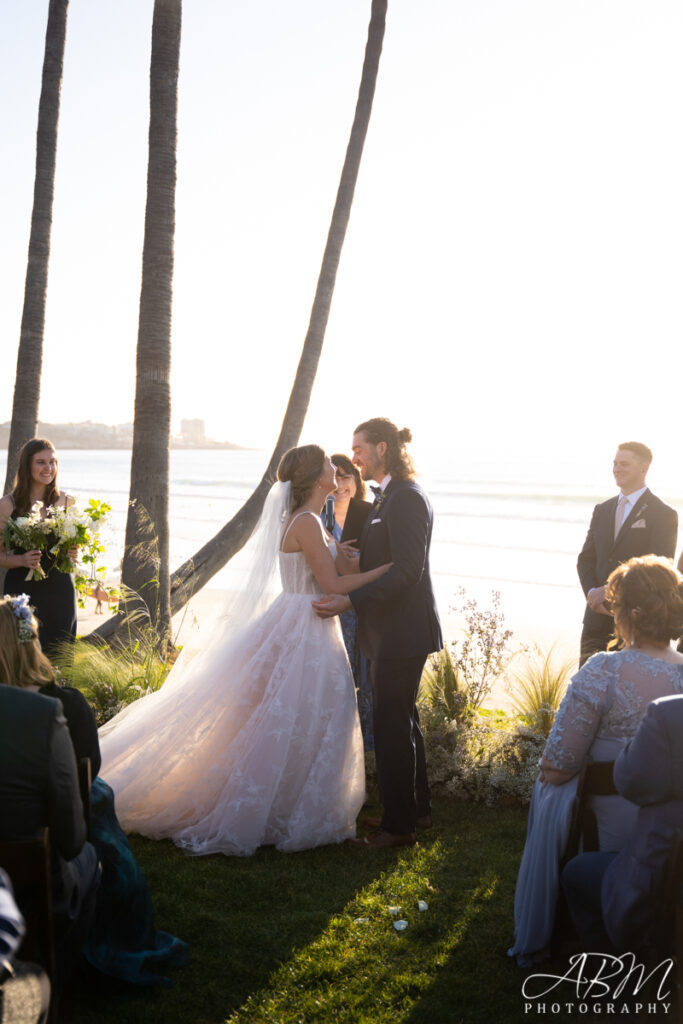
column 599, row 983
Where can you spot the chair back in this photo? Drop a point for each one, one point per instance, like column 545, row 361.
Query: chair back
column 84, row 784
column 27, row 862
column 595, row 779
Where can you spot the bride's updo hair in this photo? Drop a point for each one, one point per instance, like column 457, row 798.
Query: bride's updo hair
column 399, row 463
column 303, row 468
column 645, row 596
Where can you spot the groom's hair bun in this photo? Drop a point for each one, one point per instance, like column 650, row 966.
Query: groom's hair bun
column 380, row 430
column 302, row 468
column 646, row 597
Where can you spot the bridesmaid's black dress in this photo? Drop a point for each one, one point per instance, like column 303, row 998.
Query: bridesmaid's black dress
column 53, row 598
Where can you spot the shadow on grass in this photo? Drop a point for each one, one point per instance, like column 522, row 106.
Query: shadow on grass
column 242, row 918
column 285, row 939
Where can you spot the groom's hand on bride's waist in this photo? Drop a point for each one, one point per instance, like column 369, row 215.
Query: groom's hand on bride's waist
column 330, row 605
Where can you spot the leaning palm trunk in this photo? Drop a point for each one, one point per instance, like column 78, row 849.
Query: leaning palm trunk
column 30, row 356
column 145, row 569
column 193, row 574
column 198, row 570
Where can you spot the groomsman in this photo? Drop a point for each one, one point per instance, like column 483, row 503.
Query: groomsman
column 633, row 523
column 398, row 625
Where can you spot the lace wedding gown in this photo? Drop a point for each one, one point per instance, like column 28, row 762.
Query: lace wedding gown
column 256, row 741
column 600, row 713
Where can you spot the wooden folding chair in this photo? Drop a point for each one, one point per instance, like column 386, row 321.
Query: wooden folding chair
column 84, row 784
column 27, row 862
column 595, row 779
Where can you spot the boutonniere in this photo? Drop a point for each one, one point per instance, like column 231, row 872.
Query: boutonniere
column 380, row 497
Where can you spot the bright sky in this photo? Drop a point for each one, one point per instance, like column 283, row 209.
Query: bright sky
column 512, row 272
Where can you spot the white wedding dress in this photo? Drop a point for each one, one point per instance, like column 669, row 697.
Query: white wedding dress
column 256, row 741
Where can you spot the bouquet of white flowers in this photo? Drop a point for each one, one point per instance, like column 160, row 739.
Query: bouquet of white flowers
column 78, row 528
column 28, row 533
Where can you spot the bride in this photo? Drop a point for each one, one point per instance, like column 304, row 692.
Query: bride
column 256, row 740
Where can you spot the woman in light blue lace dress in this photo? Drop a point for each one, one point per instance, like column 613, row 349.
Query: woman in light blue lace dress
column 601, row 711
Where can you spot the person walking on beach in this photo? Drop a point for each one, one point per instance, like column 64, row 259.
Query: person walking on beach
column 632, row 524
column 398, row 625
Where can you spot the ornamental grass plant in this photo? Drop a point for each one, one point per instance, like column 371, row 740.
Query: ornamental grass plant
column 538, row 686
column 110, row 678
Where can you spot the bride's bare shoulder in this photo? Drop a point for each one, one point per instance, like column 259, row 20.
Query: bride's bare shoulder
column 303, row 530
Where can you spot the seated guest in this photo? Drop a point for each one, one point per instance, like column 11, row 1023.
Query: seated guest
column 614, row 897
column 39, row 781
column 601, row 711
column 24, row 987
column 122, row 941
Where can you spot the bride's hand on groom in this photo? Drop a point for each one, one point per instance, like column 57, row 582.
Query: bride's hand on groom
column 330, row 605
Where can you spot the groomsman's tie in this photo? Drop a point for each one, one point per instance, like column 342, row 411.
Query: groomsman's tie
column 378, row 492
column 622, row 505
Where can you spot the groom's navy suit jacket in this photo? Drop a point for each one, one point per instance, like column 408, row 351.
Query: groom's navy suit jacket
column 397, row 616
column 650, row 529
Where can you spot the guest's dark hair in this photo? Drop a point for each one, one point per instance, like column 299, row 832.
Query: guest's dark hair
column 21, row 489
column 645, row 596
column 343, row 462
column 303, row 467
column 398, row 462
column 640, row 450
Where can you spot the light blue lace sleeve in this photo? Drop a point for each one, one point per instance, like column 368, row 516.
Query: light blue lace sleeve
column 578, row 720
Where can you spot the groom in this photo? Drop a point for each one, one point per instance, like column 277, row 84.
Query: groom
column 398, row 624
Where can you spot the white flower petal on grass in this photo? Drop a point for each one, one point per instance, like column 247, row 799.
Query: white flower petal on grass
column 422, row 905
column 395, row 910
column 361, row 920
column 400, row 926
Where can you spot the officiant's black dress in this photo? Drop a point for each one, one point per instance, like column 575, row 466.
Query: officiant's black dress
column 53, row 598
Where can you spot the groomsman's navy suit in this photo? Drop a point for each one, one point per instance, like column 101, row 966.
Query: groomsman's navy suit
column 651, row 528
column 398, row 626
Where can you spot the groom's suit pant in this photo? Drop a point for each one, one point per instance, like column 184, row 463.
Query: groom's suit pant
column 399, row 746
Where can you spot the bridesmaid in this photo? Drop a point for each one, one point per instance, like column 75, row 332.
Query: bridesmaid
column 350, row 514
column 54, row 597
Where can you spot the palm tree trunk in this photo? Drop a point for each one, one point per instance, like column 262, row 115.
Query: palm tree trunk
column 145, row 569
column 30, row 355
column 198, row 570
column 193, row 574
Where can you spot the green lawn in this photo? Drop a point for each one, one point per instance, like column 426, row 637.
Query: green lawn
column 277, row 938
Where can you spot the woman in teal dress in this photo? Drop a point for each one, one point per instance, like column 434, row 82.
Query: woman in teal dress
column 122, row 942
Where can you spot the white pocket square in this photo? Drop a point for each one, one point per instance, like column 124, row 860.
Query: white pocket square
column 639, row 524
column 373, row 521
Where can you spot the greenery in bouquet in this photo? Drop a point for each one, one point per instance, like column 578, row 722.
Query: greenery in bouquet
column 80, row 528
column 28, row 533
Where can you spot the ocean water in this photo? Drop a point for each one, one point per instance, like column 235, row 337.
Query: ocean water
column 514, row 526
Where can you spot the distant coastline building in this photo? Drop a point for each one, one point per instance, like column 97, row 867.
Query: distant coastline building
column 91, row 436
column 193, row 432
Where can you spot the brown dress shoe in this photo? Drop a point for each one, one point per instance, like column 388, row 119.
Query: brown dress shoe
column 423, row 824
column 382, row 840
